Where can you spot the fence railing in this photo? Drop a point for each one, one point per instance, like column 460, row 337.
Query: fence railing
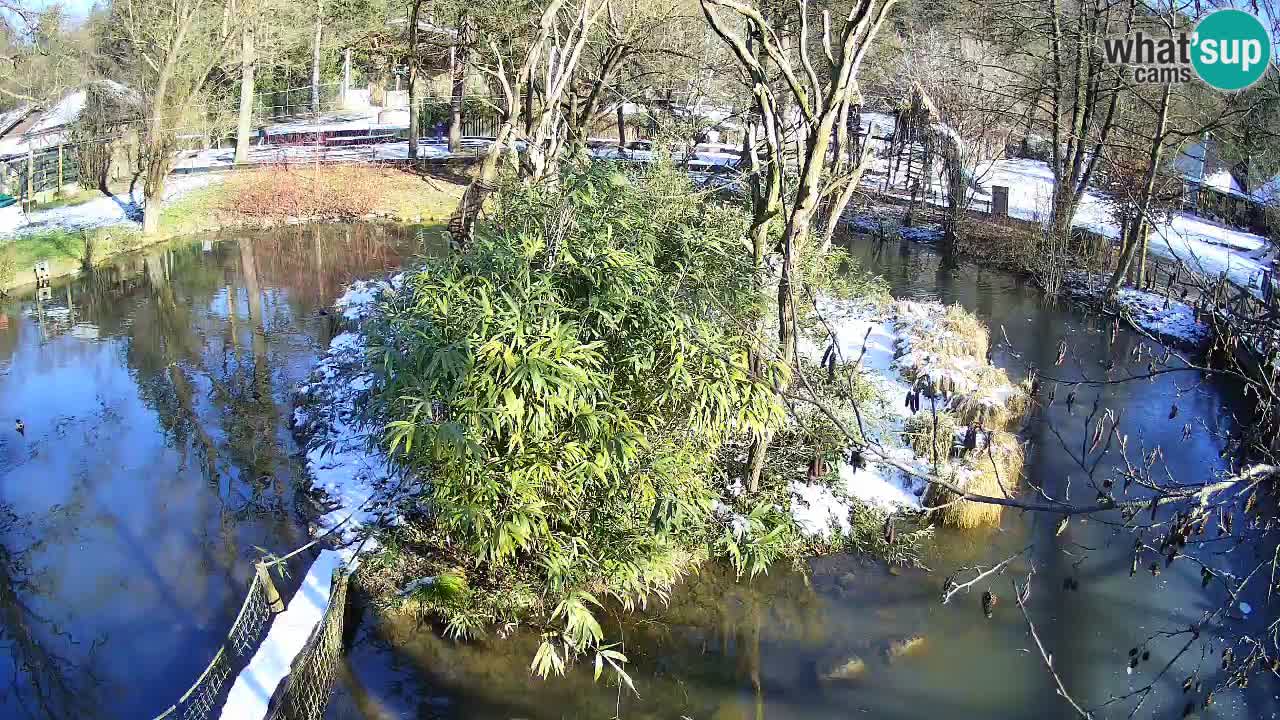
column 201, row 699
column 311, row 680
column 297, row 101
column 39, row 171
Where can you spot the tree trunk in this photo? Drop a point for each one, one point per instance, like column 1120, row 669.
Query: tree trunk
column 157, row 160
column 153, row 193
column 245, row 124
column 458, row 72
column 622, row 128
column 766, row 204
column 1139, row 224
column 842, row 201
column 315, row 58
column 1144, row 233
column 527, row 112
column 413, row 79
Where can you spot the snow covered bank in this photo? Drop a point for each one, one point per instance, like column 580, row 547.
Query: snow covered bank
column 98, row 212
column 350, row 471
column 1202, row 245
column 908, row 351
column 1168, row 320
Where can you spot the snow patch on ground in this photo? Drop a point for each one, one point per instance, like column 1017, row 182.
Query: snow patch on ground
column 1204, row 246
column 342, row 452
column 889, row 343
column 861, row 333
column 99, row 212
column 1168, row 320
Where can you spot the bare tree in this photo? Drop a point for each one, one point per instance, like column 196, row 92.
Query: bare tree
column 169, row 50
column 248, row 58
column 40, row 55
column 510, row 85
column 459, row 53
column 820, row 103
column 316, row 39
column 415, row 8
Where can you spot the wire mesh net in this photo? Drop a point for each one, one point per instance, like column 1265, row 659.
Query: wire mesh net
column 311, row 680
column 202, row 699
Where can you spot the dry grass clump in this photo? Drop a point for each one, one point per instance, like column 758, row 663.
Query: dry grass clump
column 995, row 403
column 992, row 470
column 8, row 268
column 966, row 334
column 344, row 191
column 336, row 192
column 951, row 334
column 945, row 354
column 930, row 443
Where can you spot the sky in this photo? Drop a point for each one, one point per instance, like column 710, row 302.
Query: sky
column 75, row 8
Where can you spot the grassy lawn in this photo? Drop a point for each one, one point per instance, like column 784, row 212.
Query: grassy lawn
column 263, row 197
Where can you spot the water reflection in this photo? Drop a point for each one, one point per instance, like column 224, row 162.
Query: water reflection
column 156, row 457
column 749, row 651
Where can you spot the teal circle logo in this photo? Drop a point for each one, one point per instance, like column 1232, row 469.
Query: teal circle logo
column 1232, row 49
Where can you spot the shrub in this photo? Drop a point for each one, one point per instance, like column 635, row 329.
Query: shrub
column 337, row 192
column 565, row 384
column 8, row 268
column 932, row 441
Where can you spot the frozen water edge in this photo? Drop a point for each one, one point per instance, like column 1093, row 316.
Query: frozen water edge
column 350, row 471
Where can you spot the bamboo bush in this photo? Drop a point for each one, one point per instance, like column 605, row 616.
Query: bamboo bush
column 564, row 385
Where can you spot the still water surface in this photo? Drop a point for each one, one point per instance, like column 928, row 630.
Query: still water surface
column 746, row 651
column 157, row 457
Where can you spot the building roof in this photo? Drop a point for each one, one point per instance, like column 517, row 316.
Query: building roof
column 34, row 128
column 1201, row 163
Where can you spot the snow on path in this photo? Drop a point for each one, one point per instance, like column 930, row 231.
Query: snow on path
column 99, row 212
column 350, row 473
column 224, row 158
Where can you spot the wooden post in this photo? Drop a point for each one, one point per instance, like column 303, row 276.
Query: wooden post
column 59, row 168
column 346, row 76
column 274, row 603
column 31, row 174
column 1000, row 200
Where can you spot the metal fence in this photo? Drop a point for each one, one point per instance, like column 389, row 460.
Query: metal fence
column 296, row 101
column 310, row 682
column 311, row 679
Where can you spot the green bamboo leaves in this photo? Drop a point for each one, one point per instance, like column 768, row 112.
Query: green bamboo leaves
column 564, row 385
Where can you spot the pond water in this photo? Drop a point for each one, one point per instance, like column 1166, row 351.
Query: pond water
column 156, row 458
column 725, row 650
